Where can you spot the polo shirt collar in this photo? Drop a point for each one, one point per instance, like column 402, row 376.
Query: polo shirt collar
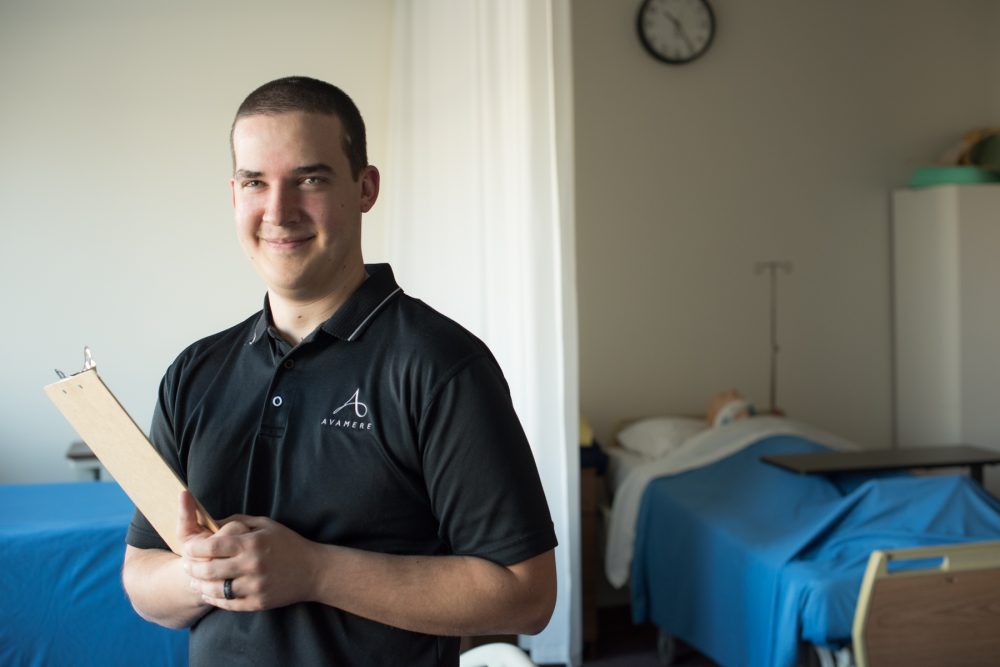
column 356, row 314
column 352, row 318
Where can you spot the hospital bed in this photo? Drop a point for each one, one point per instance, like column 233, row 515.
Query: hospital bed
column 61, row 550
column 755, row 565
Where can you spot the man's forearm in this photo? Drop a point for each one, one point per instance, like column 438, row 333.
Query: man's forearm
column 272, row 566
column 441, row 595
column 159, row 589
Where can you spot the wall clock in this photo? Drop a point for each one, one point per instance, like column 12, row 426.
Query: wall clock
column 676, row 31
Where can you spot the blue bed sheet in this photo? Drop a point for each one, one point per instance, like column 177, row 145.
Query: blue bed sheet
column 743, row 560
column 61, row 549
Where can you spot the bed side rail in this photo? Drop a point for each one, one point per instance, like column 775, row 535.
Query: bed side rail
column 930, row 606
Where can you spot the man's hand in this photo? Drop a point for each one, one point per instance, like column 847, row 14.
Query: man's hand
column 272, row 566
column 155, row 580
column 269, row 564
column 187, row 520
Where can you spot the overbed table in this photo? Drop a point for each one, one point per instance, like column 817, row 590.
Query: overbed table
column 948, row 456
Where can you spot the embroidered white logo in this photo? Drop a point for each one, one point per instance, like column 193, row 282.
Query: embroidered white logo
column 360, row 409
column 344, row 422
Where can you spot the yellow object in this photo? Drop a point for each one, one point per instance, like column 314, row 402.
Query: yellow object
column 586, row 433
column 972, row 140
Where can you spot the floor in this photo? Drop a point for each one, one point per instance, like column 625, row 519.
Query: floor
column 622, row 644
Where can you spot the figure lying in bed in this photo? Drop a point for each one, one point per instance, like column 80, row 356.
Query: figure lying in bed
column 727, row 407
column 730, row 406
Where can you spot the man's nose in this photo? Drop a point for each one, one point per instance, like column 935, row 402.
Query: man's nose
column 282, row 206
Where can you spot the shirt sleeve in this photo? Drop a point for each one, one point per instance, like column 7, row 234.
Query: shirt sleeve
column 479, row 469
column 141, row 533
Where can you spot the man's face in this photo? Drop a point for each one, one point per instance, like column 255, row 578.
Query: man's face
column 298, row 207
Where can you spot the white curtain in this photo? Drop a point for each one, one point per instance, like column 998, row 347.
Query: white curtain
column 478, row 224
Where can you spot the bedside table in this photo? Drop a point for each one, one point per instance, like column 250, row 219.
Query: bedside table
column 590, row 494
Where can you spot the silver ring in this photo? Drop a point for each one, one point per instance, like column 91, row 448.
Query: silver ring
column 227, row 589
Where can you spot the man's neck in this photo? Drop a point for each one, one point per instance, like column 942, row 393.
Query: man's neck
column 295, row 316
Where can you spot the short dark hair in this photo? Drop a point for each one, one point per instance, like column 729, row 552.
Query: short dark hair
column 301, row 93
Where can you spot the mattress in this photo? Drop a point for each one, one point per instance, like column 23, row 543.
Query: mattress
column 61, row 551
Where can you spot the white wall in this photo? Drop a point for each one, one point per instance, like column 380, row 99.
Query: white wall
column 114, row 181
column 783, row 142
column 994, row 84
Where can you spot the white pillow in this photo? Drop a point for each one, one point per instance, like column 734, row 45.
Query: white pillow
column 657, row 436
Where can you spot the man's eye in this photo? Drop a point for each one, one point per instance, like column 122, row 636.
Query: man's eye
column 251, row 184
column 311, row 180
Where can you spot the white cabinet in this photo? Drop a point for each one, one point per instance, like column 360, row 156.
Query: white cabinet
column 946, row 289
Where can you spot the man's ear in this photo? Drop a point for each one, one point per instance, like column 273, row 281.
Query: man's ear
column 370, row 179
column 232, row 190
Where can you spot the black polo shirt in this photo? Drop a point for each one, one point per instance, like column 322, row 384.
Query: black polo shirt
column 390, row 428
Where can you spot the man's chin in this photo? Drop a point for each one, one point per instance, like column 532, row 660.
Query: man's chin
column 306, row 285
column 283, row 284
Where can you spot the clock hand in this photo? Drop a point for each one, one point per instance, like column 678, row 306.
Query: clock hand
column 678, row 28
column 673, row 19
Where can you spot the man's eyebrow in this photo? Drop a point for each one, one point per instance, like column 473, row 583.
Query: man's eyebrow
column 319, row 167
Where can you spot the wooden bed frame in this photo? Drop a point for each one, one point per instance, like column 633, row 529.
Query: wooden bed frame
column 942, row 610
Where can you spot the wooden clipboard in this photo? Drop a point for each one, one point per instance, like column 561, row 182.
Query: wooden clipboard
column 90, row 407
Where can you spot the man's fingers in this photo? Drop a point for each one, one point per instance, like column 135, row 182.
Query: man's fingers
column 217, row 546
column 215, row 590
column 233, row 527
column 200, row 543
column 212, row 572
column 256, row 522
column 187, row 517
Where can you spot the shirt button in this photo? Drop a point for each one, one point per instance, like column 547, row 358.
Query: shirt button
column 289, row 363
column 276, row 401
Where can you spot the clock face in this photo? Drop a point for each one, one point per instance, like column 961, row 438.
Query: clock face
column 676, row 31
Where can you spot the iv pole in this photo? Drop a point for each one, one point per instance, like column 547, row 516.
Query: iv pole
column 773, row 267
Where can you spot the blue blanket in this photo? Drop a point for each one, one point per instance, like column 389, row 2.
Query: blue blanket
column 743, row 560
column 61, row 550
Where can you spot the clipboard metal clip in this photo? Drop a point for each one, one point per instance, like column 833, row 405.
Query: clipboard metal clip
column 88, row 363
column 88, row 359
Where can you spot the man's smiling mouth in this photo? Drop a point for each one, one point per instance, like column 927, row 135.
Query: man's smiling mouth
column 287, row 243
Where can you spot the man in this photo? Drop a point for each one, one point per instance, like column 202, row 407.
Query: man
column 381, row 497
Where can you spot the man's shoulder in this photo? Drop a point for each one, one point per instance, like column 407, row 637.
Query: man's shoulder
column 401, row 324
column 424, row 330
